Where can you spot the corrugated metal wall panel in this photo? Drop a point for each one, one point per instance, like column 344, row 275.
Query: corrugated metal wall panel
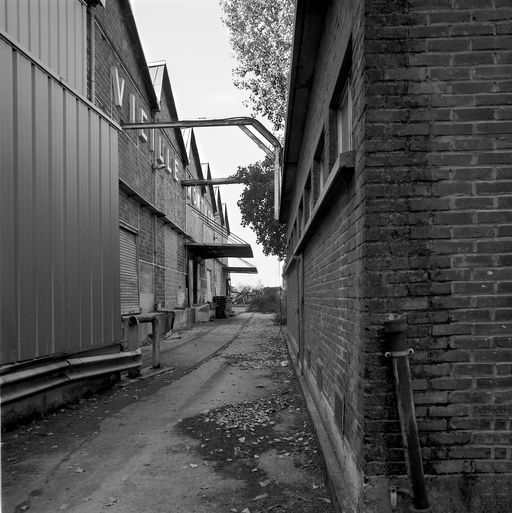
column 60, row 215
column 8, row 290
column 54, row 31
column 129, row 272
column 113, row 255
column 42, row 199
column 25, row 199
column 95, row 230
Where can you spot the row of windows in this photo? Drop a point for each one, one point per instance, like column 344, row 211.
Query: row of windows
column 339, row 139
column 197, row 199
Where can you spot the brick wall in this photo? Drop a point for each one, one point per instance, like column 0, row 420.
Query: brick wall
column 332, row 257
column 421, row 229
column 292, row 302
column 116, row 46
column 439, row 223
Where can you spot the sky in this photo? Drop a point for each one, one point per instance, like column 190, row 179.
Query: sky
column 190, row 36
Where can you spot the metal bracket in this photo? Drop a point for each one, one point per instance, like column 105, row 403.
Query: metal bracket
column 394, row 354
column 393, row 498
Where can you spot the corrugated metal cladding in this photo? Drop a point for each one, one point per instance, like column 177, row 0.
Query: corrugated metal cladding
column 54, row 31
column 58, row 214
column 129, row 274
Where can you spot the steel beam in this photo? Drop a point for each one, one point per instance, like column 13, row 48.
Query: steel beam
column 199, row 123
column 253, row 137
column 213, row 181
column 242, row 122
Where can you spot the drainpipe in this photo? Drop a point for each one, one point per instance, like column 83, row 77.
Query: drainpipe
column 395, row 331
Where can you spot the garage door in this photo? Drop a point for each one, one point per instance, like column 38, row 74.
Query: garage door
column 129, row 272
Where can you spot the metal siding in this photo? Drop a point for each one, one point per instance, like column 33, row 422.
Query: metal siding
column 3, row 16
column 114, row 236
column 44, row 33
column 42, row 227
column 59, row 217
column 34, row 27
column 72, row 307
column 62, row 28
column 104, row 193
column 95, row 233
column 8, row 290
column 54, row 31
column 129, row 277
column 23, row 23
column 84, row 229
column 53, row 34
column 25, row 228
column 71, row 30
column 11, row 17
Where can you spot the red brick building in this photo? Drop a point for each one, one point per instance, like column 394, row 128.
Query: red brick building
column 397, row 193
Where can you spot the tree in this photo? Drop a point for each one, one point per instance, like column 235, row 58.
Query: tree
column 261, row 37
column 257, row 206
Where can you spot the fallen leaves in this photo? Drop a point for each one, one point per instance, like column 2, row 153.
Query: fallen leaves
column 259, row 497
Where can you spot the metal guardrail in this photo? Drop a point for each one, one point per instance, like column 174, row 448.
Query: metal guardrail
column 161, row 322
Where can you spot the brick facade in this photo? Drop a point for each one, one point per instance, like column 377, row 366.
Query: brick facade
column 421, row 228
column 147, row 183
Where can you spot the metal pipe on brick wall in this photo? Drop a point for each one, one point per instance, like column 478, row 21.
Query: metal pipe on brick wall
column 156, row 341
column 395, row 331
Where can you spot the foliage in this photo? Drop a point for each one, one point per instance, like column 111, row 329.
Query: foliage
column 261, row 37
column 256, row 204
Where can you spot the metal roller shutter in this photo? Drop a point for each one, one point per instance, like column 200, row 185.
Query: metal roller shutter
column 129, row 272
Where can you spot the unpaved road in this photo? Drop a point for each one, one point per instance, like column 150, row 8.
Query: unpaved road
column 223, row 430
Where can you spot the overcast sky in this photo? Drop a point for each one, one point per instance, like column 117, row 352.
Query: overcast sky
column 190, row 37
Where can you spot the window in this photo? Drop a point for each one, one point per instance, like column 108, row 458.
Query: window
column 344, row 119
column 307, row 200
column 320, row 167
column 176, row 174
column 300, row 217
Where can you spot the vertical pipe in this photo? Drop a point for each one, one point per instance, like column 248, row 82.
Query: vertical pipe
column 399, row 353
column 156, row 341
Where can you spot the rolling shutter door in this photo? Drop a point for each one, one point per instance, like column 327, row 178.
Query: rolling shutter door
column 129, row 274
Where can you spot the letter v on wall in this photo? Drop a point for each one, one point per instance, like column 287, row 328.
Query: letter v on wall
column 117, row 86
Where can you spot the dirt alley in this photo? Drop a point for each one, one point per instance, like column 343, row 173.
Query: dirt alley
column 222, row 427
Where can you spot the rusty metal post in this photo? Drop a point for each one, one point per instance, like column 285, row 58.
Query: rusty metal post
column 156, row 323
column 395, row 331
